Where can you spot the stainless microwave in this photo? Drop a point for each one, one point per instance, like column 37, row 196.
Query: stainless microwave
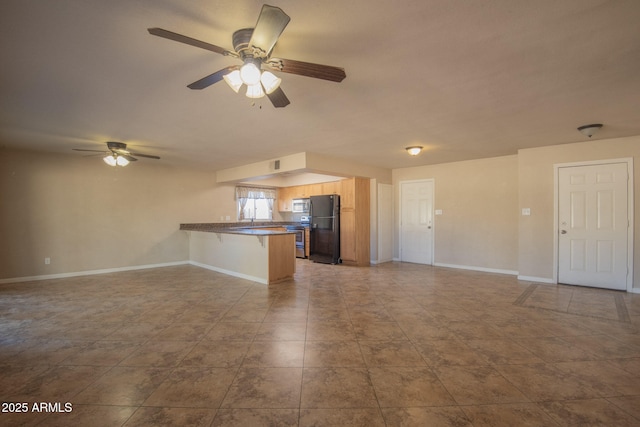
column 300, row 205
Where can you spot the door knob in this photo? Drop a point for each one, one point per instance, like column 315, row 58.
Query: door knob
column 563, row 231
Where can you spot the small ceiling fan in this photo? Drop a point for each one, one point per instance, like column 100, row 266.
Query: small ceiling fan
column 253, row 47
column 117, row 154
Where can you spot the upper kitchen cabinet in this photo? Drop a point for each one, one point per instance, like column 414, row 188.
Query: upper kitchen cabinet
column 314, row 190
column 355, row 233
column 285, row 199
column 302, row 191
column 333, row 187
column 287, row 194
column 347, row 193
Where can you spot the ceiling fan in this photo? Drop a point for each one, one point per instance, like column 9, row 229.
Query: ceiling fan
column 117, row 154
column 253, row 47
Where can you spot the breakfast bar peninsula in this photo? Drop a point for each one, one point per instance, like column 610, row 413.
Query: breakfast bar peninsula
column 264, row 254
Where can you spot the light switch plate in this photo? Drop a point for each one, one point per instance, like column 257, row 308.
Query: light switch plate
column 438, row 211
column 526, row 211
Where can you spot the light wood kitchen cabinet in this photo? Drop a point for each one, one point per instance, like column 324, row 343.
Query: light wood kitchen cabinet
column 287, row 194
column 314, row 190
column 285, row 199
column 354, row 214
column 300, row 191
column 307, row 244
column 296, row 192
column 355, row 221
column 348, row 193
column 330, row 187
column 347, row 236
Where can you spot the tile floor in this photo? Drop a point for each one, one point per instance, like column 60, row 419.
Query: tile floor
column 390, row 345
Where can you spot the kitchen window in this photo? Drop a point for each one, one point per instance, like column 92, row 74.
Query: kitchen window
column 255, row 203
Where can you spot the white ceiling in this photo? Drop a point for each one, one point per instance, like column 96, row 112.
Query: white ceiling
column 465, row 78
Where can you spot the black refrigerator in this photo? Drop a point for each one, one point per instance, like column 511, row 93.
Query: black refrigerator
column 324, row 229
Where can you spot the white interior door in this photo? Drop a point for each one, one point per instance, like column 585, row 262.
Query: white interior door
column 416, row 222
column 593, row 225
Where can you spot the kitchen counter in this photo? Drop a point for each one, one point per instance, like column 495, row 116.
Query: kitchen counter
column 237, row 249
column 237, row 227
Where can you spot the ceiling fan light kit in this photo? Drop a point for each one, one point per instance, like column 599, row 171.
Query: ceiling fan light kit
column 591, row 129
column 250, row 74
column 233, row 80
column 118, row 155
column 255, row 91
column 270, row 82
column 253, row 46
column 115, row 160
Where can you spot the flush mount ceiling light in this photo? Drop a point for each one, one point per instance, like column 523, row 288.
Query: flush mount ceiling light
column 414, row 150
column 590, row 130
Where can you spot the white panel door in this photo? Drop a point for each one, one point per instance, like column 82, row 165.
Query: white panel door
column 593, row 223
column 416, row 226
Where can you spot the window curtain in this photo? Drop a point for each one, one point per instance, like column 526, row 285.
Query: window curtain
column 255, row 193
column 243, row 194
column 242, row 203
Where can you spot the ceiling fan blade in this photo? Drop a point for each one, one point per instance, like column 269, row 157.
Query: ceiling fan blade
column 278, row 98
column 271, row 23
column 212, row 78
column 95, row 151
column 145, row 155
column 317, row 71
column 128, row 157
column 190, row 41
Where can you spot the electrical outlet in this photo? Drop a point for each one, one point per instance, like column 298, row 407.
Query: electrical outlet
column 47, row 260
column 228, row 218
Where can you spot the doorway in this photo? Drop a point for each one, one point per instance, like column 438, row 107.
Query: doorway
column 416, row 221
column 594, row 240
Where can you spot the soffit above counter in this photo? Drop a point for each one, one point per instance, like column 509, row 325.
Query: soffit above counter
column 300, row 168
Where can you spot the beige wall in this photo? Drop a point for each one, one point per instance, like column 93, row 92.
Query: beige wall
column 479, row 202
column 86, row 216
column 536, row 182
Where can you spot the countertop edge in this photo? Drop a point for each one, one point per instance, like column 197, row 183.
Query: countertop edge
column 237, row 228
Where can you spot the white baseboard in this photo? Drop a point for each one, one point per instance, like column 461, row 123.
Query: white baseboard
column 474, row 268
column 536, row 279
column 470, row 267
column 89, row 272
column 229, row 272
column 380, row 261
